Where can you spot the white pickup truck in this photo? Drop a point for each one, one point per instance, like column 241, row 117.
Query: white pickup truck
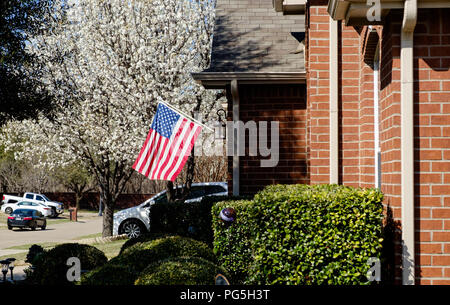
column 57, row 207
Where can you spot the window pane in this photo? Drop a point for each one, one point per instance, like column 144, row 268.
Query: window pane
column 196, row 192
column 213, row 189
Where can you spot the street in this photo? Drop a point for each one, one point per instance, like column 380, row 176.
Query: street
column 88, row 223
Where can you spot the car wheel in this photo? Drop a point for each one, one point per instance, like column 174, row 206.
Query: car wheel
column 44, row 226
column 10, row 228
column 54, row 213
column 132, row 228
column 8, row 210
column 33, row 227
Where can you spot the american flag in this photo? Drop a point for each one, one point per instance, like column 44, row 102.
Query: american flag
column 167, row 146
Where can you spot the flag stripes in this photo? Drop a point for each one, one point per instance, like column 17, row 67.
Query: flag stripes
column 162, row 157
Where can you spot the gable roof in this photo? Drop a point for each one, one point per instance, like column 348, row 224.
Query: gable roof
column 251, row 37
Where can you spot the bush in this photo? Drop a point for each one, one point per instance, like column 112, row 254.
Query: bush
column 301, row 234
column 233, row 243
column 51, row 268
column 139, row 256
column 185, row 219
column 180, row 271
column 142, row 239
column 34, row 253
column 109, row 274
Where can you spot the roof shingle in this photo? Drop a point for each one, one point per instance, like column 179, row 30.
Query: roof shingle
column 249, row 36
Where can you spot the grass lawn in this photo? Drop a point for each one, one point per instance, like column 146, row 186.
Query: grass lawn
column 88, row 236
column 111, row 249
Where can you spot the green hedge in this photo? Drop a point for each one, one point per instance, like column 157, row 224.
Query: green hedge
column 185, row 219
column 301, row 234
column 140, row 255
column 233, row 243
column 109, row 274
column 51, row 267
column 180, row 271
column 142, row 239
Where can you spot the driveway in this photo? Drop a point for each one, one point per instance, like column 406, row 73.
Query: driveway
column 87, row 224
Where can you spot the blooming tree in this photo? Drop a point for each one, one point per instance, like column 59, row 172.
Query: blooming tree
column 107, row 63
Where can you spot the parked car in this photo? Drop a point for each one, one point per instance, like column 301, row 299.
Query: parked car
column 135, row 221
column 26, row 218
column 57, row 208
column 9, row 208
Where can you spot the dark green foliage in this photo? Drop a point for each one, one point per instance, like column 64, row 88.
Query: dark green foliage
column 140, row 255
column 20, row 19
column 180, row 271
column 34, row 253
column 322, row 234
column 185, row 219
column 142, row 239
column 109, row 274
column 51, row 268
column 233, row 243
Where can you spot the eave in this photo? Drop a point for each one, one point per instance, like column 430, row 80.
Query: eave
column 354, row 12
column 219, row 80
column 289, row 6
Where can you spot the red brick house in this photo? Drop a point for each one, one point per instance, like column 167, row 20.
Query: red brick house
column 376, row 111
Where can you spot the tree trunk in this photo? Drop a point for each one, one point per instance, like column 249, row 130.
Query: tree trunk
column 108, row 214
column 78, row 197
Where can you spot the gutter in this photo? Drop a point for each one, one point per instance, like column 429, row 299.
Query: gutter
column 222, row 79
column 236, row 175
column 407, row 140
column 334, row 100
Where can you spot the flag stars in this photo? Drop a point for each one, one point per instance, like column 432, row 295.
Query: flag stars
column 165, row 120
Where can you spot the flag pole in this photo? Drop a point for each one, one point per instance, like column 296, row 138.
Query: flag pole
column 188, row 116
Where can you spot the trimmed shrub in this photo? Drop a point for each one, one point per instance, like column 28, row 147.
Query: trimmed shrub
column 185, row 219
column 34, row 252
column 180, row 271
column 301, row 234
column 51, row 268
column 139, row 256
column 233, row 243
column 109, row 274
column 142, row 239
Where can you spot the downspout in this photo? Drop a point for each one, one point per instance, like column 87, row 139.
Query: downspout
column 235, row 97
column 407, row 140
column 334, row 123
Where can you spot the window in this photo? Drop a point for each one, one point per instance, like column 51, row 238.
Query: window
column 40, row 198
column 196, row 192
column 29, row 196
column 214, row 189
column 161, row 198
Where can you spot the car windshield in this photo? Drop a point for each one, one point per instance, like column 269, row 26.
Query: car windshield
column 22, row 212
column 45, row 197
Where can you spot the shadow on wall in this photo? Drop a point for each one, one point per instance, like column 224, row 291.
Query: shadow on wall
column 391, row 247
column 430, row 33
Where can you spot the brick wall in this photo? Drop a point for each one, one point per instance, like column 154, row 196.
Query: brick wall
column 317, row 80
column 432, row 123
column 432, row 145
column 91, row 201
column 283, row 103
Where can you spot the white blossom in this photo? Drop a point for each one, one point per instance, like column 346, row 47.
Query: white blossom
column 107, row 62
